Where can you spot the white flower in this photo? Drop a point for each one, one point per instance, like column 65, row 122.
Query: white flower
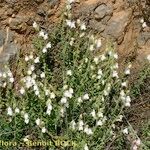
column 17, row 110
column 71, row 1
column 41, row 33
column 71, row 90
column 4, row 84
column 127, row 104
column 98, row 43
column 10, row 74
column 45, row 37
column 26, row 58
column 26, row 121
column 26, row 116
column 82, row 34
column 86, row 96
column 4, row 75
column 80, row 100
column 62, row 110
column 86, row 60
column 52, row 95
column 86, row 147
column 135, row 147
column 35, row 25
column 148, row 58
column 96, row 60
column 128, row 99
column 43, row 130
column 48, row 111
column 144, row 25
column 73, row 125
column 81, row 125
column 32, row 67
column 69, row 72
column 138, row 142
column 9, row 111
column 106, row 93
column 48, row 45
column 116, row 56
column 1, row 74
column 42, row 75
column 78, row 21
column 116, row 66
column 35, row 87
column 68, row 94
column 115, row 74
column 46, row 92
column 86, row 129
column 127, row 71
column 30, row 56
column 91, row 47
column 29, row 72
column 38, row 121
column 11, row 80
column 100, row 114
column 26, row 138
column 44, row 50
column 65, row 87
column 103, row 57
column 142, row 20
column 68, row 6
column 22, row 90
column 100, row 72
column 37, row 60
column 37, row 92
column 99, row 123
column 70, row 23
column 125, row 131
column 93, row 113
column 92, row 67
column 124, row 84
column 63, row 100
column 122, row 93
column 89, row 131
column 110, row 53
column 83, row 26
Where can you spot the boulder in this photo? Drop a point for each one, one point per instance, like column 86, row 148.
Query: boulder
column 117, row 24
column 103, row 10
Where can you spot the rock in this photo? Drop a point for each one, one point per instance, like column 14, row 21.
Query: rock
column 18, row 24
column 53, row 3
column 96, row 25
column 117, row 24
column 11, row 1
column 2, row 38
column 7, row 47
column 11, row 49
column 102, row 11
column 85, row 10
column 105, row 19
column 39, row 1
column 41, row 12
column 143, row 38
column 4, row 57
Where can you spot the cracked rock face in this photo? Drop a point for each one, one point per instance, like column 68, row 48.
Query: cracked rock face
column 7, row 47
column 118, row 23
column 102, row 11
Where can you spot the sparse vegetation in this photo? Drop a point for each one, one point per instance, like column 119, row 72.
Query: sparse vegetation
column 63, row 90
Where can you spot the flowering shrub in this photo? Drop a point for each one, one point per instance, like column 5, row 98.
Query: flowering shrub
column 81, row 101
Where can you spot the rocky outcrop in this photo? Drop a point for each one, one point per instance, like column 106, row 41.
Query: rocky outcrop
column 117, row 20
column 117, row 25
